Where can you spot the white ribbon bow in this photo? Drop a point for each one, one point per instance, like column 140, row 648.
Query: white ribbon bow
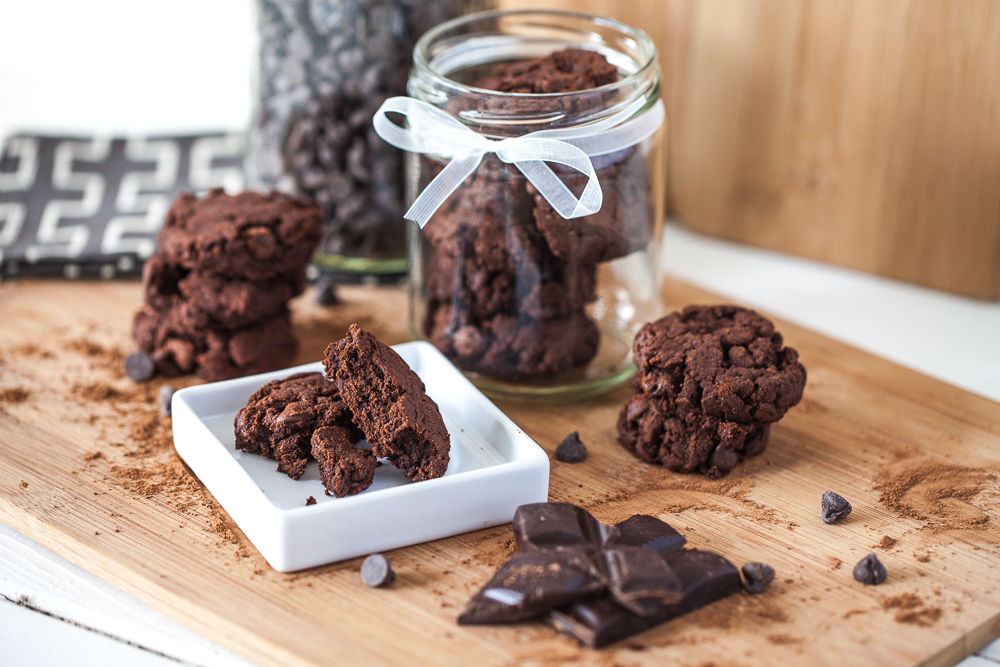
column 430, row 130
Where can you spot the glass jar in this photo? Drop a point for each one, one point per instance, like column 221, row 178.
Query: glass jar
column 323, row 68
column 530, row 304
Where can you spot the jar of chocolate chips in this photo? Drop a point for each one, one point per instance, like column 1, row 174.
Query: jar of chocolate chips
column 324, row 67
column 535, row 157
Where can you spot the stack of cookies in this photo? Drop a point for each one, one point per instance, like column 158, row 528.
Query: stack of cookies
column 216, row 291
column 508, row 280
column 711, row 380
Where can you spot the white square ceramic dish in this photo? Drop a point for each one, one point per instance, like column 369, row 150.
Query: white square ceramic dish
column 494, row 468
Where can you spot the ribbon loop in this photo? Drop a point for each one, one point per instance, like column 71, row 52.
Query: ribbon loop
column 432, row 131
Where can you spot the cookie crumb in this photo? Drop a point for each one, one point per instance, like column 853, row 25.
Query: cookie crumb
column 571, row 449
column 886, row 542
column 311, row 500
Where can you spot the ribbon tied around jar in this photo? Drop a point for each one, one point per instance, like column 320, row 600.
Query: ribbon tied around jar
column 430, row 130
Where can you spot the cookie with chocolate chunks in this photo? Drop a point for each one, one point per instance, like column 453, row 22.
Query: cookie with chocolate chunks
column 250, row 235
column 721, row 361
column 280, row 419
column 214, row 353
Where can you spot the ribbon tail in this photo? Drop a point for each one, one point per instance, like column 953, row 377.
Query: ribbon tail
column 441, row 187
column 555, row 192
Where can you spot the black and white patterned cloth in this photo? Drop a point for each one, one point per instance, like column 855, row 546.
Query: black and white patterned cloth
column 85, row 207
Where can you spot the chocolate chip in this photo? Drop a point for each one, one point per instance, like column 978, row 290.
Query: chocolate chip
column 870, row 571
column 325, row 292
column 834, row 507
column 311, row 500
column 166, row 396
column 571, row 450
column 140, row 366
column 757, row 577
column 376, row 571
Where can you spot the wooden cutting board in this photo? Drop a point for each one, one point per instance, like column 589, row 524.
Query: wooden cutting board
column 87, row 469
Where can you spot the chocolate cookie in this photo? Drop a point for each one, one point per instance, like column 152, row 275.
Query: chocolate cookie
column 711, row 380
column 390, row 405
column 279, row 419
column 570, row 70
column 251, row 235
column 507, row 346
column 621, row 226
column 301, row 418
column 344, row 468
column 563, row 71
column 209, row 301
column 535, row 287
column 722, row 361
column 203, row 301
column 214, row 354
column 687, row 442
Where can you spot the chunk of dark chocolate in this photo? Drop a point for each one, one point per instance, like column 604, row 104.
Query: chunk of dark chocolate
column 529, row 584
column 640, row 580
column 140, row 366
column 566, row 555
column 705, row 577
column 757, row 577
column 834, row 506
column 870, row 571
column 571, row 449
column 545, row 526
column 376, row 571
column 642, row 530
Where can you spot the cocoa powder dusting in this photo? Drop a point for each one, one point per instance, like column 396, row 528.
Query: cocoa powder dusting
column 103, row 357
column 14, row 395
column 728, row 495
column 151, row 467
column 98, row 392
column 939, row 494
column 912, row 610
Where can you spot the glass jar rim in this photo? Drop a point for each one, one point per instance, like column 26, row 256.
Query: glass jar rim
column 641, row 80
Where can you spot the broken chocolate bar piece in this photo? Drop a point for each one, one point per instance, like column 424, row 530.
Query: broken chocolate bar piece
column 560, row 526
column 640, row 579
column 566, row 555
column 529, row 584
column 642, row 530
column 705, row 576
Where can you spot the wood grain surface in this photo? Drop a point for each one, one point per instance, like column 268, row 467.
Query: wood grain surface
column 865, row 134
column 87, row 469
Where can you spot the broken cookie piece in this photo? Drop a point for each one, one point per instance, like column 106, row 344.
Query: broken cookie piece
column 389, row 404
column 280, row 418
column 344, row 468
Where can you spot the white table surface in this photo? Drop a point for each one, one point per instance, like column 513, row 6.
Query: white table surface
column 120, row 66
